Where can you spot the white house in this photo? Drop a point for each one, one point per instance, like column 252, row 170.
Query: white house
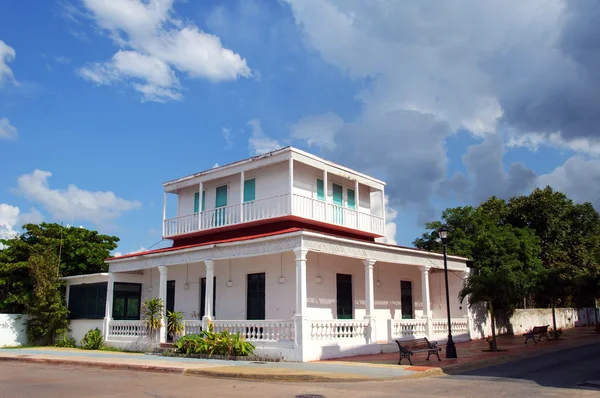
column 289, row 241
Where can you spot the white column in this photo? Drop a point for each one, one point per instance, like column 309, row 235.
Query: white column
column 291, row 185
column 356, row 202
column 109, row 303
column 164, row 212
column 209, row 291
column 200, row 189
column 242, row 196
column 162, row 294
column 383, row 208
column 370, row 299
column 325, row 194
column 301, row 325
column 426, row 298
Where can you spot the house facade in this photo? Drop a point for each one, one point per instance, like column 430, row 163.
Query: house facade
column 291, row 245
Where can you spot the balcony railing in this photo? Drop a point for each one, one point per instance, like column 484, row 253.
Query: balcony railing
column 276, row 206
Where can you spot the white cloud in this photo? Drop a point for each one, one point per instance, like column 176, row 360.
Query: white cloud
column 7, row 130
column 62, row 60
column 117, row 254
column 533, row 141
column 259, row 142
column 7, row 54
column 390, row 224
column 228, row 137
column 158, row 43
column 215, row 165
column 99, row 207
column 318, row 130
column 9, row 216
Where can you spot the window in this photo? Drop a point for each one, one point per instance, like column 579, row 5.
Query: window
column 351, row 199
column 197, row 200
column 255, row 299
column 406, row 299
column 338, row 200
column 344, row 296
column 249, row 190
column 320, row 189
column 126, row 301
column 87, row 301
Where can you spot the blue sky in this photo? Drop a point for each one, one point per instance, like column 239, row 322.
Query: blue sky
column 101, row 102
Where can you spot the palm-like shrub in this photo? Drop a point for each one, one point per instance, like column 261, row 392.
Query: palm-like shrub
column 152, row 314
column 92, row 340
column 210, row 343
column 175, row 325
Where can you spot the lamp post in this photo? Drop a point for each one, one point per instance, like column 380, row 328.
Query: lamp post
column 450, row 347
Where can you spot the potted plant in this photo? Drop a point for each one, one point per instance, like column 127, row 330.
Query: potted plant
column 152, row 314
column 175, row 325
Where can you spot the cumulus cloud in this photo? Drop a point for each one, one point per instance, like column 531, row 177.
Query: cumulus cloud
column 11, row 220
column 154, row 44
column 7, row 54
column 7, row 130
column 259, row 142
column 99, row 207
column 318, row 130
column 228, row 137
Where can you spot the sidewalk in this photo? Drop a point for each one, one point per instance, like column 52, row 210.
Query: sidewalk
column 471, row 355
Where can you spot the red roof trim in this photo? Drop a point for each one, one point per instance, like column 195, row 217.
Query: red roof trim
column 238, row 239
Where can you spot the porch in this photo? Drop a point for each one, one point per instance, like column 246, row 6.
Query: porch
column 299, row 299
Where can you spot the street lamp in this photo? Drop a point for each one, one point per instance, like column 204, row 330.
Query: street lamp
column 450, row 347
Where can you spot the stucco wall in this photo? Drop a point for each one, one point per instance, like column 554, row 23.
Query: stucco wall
column 12, row 330
column 437, row 289
column 79, row 327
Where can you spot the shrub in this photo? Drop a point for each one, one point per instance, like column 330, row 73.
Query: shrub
column 555, row 334
column 152, row 314
column 211, row 343
column 175, row 325
column 92, row 340
column 65, row 341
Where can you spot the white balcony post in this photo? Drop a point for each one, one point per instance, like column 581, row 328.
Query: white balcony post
column 291, row 185
column 242, row 196
column 209, row 292
column 426, row 298
column 162, row 294
column 109, row 304
column 200, row 192
column 301, row 326
column 164, row 213
column 383, row 208
column 325, row 194
column 356, row 203
column 370, row 299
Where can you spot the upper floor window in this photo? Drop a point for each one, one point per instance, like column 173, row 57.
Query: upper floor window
column 197, row 201
column 320, row 189
column 351, row 199
column 249, row 190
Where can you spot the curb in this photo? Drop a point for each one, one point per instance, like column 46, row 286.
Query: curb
column 268, row 377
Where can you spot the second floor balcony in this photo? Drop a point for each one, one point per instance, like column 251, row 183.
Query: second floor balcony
column 272, row 208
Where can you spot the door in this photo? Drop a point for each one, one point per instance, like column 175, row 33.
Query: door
column 203, row 296
column 406, row 299
column 170, row 305
column 344, row 296
column 338, row 201
column 255, row 300
column 220, row 203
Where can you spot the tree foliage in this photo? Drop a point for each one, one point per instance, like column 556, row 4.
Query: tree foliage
column 45, row 310
column 81, row 251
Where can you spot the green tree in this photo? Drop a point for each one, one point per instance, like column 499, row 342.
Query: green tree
column 82, row 251
column 45, row 310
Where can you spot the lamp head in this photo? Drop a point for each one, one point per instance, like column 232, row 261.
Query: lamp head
column 443, row 232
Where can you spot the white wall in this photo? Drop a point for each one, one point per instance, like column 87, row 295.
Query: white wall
column 437, row 292
column 12, row 330
column 79, row 327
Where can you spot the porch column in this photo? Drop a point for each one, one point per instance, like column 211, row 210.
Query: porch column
column 383, row 208
column 109, row 304
column 370, row 299
column 162, row 294
column 242, row 196
column 301, row 326
column 209, row 292
column 325, row 194
column 164, row 212
column 426, row 298
column 291, row 183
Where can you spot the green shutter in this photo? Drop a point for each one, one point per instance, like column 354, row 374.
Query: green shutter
column 249, row 190
column 320, row 189
column 351, row 199
column 203, row 199
column 337, row 195
column 196, row 201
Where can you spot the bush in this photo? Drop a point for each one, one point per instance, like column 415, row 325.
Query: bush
column 92, row 340
column 555, row 334
column 152, row 314
column 210, row 343
column 65, row 341
column 175, row 325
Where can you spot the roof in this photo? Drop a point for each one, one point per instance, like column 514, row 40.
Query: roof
column 268, row 234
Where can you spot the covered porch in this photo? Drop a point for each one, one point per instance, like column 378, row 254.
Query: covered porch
column 298, row 295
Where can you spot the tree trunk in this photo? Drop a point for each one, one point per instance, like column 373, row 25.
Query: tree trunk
column 554, row 319
column 493, row 321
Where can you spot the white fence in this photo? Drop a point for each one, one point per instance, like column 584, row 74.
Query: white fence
column 127, row 329
column 258, row 330
column 403, row 328
column 338, row 329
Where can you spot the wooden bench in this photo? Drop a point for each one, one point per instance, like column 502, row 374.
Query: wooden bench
column 540, row 331
column 409, row 347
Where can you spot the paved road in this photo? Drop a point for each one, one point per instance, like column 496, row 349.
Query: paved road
column 528, row 378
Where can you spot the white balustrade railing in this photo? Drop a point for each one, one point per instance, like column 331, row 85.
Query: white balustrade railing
column 459, row 326
column 339, row 329
column 258, row 330
column 402, row 328
column 192, row 327
column 127, row 329
column 276, row 206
